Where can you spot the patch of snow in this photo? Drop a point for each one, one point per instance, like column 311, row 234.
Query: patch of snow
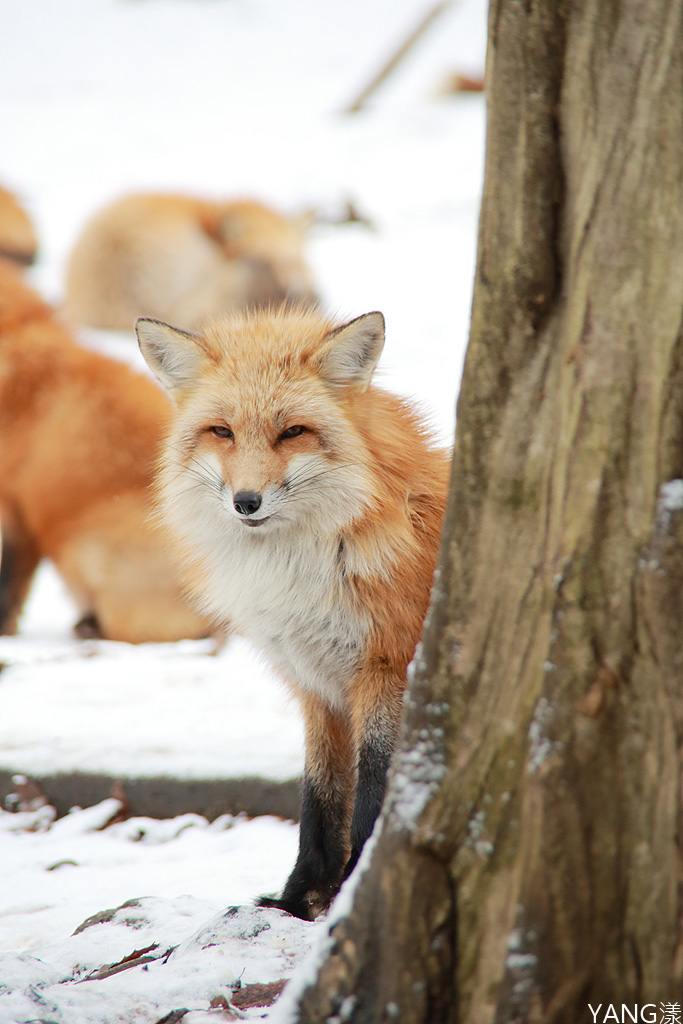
column 670, row 500
column 671, row 495
column 416, row 775
column 540, row 746
column 475, row 839
column 149, row 709
column 520, row 963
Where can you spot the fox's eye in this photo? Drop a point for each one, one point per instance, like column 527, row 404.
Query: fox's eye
column 224, row 432
column 295, row 431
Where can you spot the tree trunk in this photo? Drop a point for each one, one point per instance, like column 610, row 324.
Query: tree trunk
column 528, row 858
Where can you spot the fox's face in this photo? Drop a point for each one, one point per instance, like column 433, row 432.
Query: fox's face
column 265, row 436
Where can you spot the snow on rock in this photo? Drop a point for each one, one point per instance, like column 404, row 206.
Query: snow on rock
column 153, row 966
column 91, row 819
column 145, row 955
column 38, row 820
column 267, row 943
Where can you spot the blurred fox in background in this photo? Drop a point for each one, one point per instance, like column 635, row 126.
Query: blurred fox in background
column 18, row 240
column 79, row 435
column 184, row 259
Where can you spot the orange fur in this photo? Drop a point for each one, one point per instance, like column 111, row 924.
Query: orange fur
column 79, row 435
column 18, row 240
column 184, row 259
column 309, row 504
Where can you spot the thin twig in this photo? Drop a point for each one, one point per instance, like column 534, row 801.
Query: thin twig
column 398, row 56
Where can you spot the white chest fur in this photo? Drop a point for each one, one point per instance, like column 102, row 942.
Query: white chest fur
column 285, row 591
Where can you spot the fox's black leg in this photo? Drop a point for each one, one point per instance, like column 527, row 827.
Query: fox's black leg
column 19, row 557
column 377, row 705
column 317, row 874
column 373, row 763
column 325, row 815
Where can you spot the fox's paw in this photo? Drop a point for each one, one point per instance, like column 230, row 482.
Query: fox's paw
column 306, row 907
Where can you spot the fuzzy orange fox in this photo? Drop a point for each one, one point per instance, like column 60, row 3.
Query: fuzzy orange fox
column 308, row 503
column 184, row 259
column 79, row 434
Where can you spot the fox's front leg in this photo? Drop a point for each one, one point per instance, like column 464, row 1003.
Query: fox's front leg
column 19, row 557
column 326, row 809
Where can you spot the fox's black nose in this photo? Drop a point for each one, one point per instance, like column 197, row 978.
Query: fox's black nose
column 247, row 502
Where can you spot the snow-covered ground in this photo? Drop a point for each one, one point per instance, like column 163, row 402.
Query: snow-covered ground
column 224, row 98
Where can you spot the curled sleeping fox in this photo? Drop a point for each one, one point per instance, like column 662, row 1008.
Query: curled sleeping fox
column 183, row 259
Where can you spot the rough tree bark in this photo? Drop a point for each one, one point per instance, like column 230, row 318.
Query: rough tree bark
column 528, row 859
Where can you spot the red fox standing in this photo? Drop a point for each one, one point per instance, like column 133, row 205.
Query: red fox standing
column 309, row 503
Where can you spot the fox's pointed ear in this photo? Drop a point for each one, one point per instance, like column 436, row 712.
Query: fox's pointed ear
column 350, row 353
column 174, row 356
